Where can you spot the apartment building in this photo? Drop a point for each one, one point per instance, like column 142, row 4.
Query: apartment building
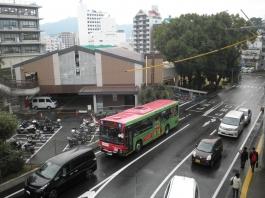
column 143, row 24
column 19, row 32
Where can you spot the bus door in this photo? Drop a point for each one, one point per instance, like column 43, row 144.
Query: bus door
column 157, row 126
column 129, row 138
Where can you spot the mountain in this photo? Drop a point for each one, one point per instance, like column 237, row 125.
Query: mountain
column 71, row 25
column 65, row 25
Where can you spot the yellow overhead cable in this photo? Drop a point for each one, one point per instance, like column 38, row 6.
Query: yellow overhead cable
column 196, row 56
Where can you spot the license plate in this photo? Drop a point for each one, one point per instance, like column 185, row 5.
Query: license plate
column 105, row 144
column 197, row 161
column 28, row 192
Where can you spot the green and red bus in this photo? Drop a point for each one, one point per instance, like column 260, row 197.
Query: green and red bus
column 129, row 130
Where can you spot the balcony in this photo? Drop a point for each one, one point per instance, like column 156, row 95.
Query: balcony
column 8, row 16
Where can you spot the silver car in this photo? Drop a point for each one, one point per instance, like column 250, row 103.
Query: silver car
column 247, row 114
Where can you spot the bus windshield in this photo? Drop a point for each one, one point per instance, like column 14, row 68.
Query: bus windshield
column 111, row 134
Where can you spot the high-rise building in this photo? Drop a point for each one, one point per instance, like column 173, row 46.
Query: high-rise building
column 143, row 24
column 19, row 33
column 68, row 39
column 52, row 43
column 88, row 22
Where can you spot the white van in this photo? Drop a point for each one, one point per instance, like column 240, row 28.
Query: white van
column 182, row 187
column 232, row 124
column 43, row 102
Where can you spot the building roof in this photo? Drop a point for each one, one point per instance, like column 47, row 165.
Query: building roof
column 139, row 111
column 116, row 52
column 94, row 47
column 88, row 90
column 122, row 53
column 30, row 5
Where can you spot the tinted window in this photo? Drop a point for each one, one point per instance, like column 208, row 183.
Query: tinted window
column 34, row 100
column 48, row 170
column 205, row 147
column 48, row 100
column 230, row 121
column 41, row 100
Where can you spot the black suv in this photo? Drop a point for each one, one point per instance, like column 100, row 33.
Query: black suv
column 208, row 151
column 57, row 174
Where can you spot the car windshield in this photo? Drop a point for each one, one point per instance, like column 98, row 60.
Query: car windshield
column 205, row 147
column 110, row 132
column 48, row 170
column 230, row 121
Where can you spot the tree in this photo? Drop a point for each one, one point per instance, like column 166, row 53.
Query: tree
column 151, row 93
column 8, row 125
column 193, row 34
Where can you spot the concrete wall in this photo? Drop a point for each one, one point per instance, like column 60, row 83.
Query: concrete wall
column 87, row 65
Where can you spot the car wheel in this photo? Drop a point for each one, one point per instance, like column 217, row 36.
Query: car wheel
column 138, row 146
column 212, row 164
column 166, row 130
column 53, row 194
column 88, row 174
column 49, row 107
column 35, row 107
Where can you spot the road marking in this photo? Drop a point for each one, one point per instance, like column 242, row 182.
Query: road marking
column 170, row 174
column 66, row 147
column 206, row 123
column 212, row 109
column 234, row 160
column 106, row 181
column 184, row 117
column 44, row 144
column 214, row 131
column 185, row 103
column 249, row 175
column 19, row 191
column 191, row 106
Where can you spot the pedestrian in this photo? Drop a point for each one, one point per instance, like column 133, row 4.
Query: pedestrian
column 243, row 157
column 254, row 159
column 236, row 185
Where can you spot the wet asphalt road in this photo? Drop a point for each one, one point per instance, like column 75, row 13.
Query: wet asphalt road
column 139, row 175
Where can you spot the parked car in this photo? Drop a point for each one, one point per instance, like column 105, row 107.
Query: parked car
column 182, row 187
column 43, row 102
column 247, row 114
column 59, row 172
column 232, row 124
column 208, row 152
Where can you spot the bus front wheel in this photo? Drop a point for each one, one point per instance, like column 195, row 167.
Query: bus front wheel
column 138, row 146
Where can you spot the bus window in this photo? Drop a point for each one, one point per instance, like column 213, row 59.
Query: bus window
column 111, row 132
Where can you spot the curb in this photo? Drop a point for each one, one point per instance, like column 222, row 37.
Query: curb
column 249, row 175
column 15, row 181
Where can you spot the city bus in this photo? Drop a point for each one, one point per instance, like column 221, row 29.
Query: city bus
column 129, row 130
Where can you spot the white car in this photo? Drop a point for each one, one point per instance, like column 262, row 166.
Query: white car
column 247, row 114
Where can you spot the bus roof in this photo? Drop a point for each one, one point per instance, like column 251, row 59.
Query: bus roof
column 139, row 111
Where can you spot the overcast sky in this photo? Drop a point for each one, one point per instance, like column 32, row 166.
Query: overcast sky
column 124, row 10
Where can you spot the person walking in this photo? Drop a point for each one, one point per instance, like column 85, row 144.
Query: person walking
column 254, row 158
column 243, row 157
column 236, row 185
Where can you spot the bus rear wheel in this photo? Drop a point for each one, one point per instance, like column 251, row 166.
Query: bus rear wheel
column 166, row 130
column 138, row 146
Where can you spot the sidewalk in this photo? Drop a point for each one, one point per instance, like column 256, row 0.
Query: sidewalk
column 257, row 186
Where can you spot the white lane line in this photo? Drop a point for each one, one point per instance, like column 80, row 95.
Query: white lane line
column 184, row 117
column 98, row 152
column 44, row 144
column 212, row 109
column 170, row 174
column 66, row 147
column 234, row 160
column 191, row 106
column 112, row 176
column 206, row 123
column 19, row 191
column 185, row 103
column 214, row 131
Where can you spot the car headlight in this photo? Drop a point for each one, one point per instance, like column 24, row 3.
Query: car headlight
column 209, row 157
column 43, row 187
column 194, row 153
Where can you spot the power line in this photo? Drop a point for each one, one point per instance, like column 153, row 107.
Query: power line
column 199, row 55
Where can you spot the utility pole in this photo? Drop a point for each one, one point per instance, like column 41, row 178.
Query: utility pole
column 145, row 70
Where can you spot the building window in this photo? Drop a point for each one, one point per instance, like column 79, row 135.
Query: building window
column 30, row 36
column 28, row 24
column 9, row 24
column 10, row 50
column 31, row 49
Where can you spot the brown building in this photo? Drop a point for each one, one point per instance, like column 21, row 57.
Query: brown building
column 99, row 74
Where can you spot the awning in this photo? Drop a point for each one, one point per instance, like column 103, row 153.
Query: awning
column 108, row 90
